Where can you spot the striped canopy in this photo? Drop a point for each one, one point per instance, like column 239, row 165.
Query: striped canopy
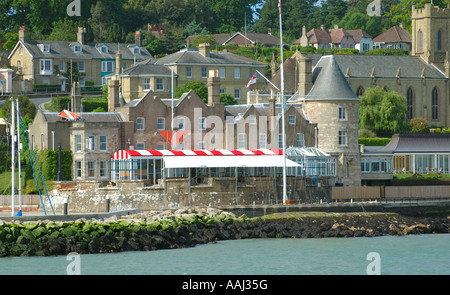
column 129, row 154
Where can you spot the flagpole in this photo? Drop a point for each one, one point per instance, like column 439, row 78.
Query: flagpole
column 13, row 153
column 18, row 161
column 283, row 106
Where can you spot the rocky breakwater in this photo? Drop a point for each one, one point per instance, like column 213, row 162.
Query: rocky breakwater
column 188, row 227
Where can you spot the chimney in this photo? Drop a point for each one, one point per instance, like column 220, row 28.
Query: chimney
column 204, row 49
column 322, row 27
column 213, row 87
column 336, row 27
column 138, row 38
column 113, row 95
column 76, row 97
column 269, row 31
column 304, row 76
column 118, row 63
column 22, row 34
column 81, row 36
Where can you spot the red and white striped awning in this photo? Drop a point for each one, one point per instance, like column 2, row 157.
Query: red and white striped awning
column 129, row 154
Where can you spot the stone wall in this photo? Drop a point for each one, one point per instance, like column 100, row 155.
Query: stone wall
column 85, row 196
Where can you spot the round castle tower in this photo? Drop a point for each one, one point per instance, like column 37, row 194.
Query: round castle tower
column 333, row 105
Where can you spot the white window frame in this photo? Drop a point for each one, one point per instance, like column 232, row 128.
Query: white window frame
column 189, row 72
column 91, row 169
column 78, row 145
column 204, row 72
column 237, row 73
column 342, row 137
column 103, row 143
column 77, row 48
column 81, row 66
column 106, row 64
column 140, row 146
column 160, row 123
column 252, row 119
column 291, row 119
column 62, row 66
column 146, row 84
column 78, row 170
column 342, row 114
column 91, row 143
column 182, row 122
column 300, row 140
column 222, row 73
column 237, row 93
column 140, row 124
column 159, row 84
column 45, row 66
column 103, row 169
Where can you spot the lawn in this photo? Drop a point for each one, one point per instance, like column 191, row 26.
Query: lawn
column 5, row 181
column 411, row 177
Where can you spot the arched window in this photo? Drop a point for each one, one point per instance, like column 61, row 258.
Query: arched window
column 410, row 102
column 360, row 91
column 420, row 41
column 439, row 40
column 435, row 104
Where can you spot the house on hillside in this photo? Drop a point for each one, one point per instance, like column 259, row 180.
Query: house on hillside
column 335, row 38
column 41, row 62
column 190, row 65
column 243, row 39
column 394, row 38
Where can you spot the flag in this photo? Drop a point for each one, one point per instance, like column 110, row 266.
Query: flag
column 279, row 6
column 252, row 81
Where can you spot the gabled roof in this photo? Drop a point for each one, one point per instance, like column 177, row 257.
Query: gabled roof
column 358, row 35
column 418, row 143
column 64, row 49
column 394, row 35
column 193, row 56
column 329, row 83
column 147, row 68
column 253, row 38
column 90, row 117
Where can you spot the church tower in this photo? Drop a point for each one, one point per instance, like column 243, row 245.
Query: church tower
column 430, row 30
column 333, row 105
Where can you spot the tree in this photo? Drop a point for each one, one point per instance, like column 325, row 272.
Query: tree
column 418, row 125
column 26, row 108
column 384, row 112
column 198, row 87
column 361, row 21
column 227, row 99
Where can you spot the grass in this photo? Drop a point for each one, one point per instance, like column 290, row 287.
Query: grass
column 411, row 177
column 5, row 181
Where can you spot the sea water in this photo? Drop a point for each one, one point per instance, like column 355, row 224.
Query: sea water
column 394, row 255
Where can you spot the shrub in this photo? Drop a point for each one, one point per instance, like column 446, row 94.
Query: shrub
column 418, row 125
column 374, row 141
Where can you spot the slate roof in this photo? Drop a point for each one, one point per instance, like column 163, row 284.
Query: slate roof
column 192, row 56
column 329, row 82
column 418, row 143
column 91, row 117
column 254, row 38
column 146, row 68
column 394, row 35
column 63, row 49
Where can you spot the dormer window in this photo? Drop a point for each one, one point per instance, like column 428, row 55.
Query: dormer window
column 136, row 50
column 45, row 48
column 103, row 48
column 77, row 48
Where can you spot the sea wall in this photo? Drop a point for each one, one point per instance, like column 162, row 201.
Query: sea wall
column 93, row 196
column 176, row 229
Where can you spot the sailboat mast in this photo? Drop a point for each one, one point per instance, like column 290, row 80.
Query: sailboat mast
column 18, row 157
column 283, row 105
column 13, row 153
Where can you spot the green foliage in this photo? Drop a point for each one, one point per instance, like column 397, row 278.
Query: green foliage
column 60, row 103
column 374, row 141
column 26, row 108
column 210, row 39
column 198, row 87
column 418, row 125
column 227, row 99
column 383, row 112
column 91, row 104
column 387, row 51
column 48, row 164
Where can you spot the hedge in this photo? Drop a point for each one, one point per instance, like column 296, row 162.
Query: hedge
column 374, row 141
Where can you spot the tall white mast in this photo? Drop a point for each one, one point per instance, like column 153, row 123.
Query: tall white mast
column 13, row 153
column 282, row 105
column 18, row 157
